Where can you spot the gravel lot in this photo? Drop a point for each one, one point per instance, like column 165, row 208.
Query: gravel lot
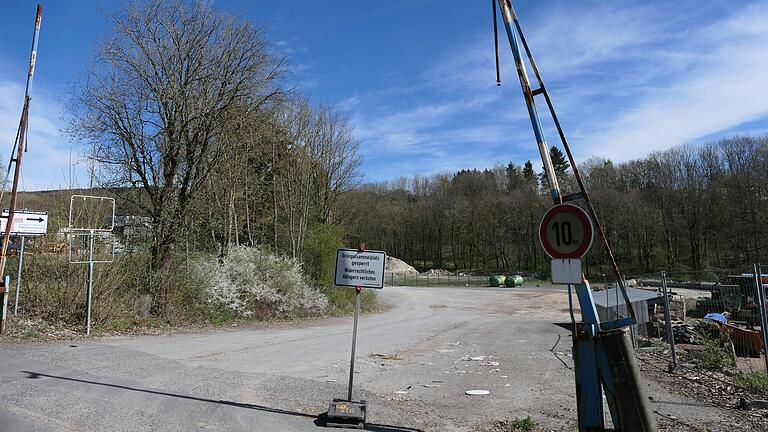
column 415, row 361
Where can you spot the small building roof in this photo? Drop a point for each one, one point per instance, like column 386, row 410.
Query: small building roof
column 607, row 298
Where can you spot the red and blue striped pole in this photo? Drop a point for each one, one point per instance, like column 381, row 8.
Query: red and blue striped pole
column 508, row 15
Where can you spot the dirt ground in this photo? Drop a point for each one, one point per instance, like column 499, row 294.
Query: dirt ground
column 415, row 362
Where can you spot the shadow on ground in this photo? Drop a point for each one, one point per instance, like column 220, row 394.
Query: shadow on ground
column 320, row 419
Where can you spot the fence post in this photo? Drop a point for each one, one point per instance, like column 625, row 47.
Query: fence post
column 758, row 271
column 668, row 319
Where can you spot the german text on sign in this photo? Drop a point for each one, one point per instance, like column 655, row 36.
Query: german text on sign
column 25, row 223
column 364, row 269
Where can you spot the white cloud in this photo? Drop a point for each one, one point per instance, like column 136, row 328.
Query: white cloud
column 418, row 130
column 570, row 38
column 46, row 164
column 486, row 124
column 724, row 85
column 626, row 79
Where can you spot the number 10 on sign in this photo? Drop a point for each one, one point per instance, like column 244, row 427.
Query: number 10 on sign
column 566, row 232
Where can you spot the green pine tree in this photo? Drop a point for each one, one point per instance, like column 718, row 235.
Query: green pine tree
column 559, row 162
column 528, row 172
column 513, row 177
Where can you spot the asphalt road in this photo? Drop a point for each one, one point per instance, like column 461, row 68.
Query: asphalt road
column 414, row 366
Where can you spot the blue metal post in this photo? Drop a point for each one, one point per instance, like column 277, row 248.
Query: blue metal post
column 589, row 392
column 604, row 360
column 33, row 56
column 509, row 15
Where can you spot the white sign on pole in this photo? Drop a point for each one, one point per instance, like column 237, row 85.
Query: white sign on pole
column 25, row 223
column 567, row 271
column 360, row 268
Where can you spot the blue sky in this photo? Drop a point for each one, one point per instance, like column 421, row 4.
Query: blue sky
column 417, row 76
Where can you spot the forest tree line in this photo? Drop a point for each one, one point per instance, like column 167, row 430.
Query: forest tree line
column 690, row 208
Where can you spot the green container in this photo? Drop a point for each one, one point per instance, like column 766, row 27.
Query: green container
column 495, row 280
column 513, row 281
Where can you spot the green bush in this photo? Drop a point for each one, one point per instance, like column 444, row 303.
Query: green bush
column 319, row 254
column 319, row 257
column 342, row 300
column 250, row 283
column 525, row 424
column 54, row 290
column 718, row 352
column 757, row 382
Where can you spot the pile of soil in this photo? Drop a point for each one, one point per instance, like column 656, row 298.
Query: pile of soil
column 398, row 266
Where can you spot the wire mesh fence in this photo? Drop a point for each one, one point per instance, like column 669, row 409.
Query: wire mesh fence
column 711, row 322
column 434, row 280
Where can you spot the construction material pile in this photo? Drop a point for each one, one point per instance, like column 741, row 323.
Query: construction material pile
column 398, row 266
column 437, row 273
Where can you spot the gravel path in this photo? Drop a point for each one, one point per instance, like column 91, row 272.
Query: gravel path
column 415, row 362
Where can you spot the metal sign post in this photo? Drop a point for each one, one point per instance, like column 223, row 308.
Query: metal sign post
column 668, row 319
column 603, row 359
column 18, row 276
column 358, row 291
column 360, row 269
column 90, row 285
column 758, row 272
column 25, row 223
column 94, row 217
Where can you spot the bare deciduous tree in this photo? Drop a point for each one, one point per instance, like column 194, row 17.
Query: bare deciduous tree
column 168, row 81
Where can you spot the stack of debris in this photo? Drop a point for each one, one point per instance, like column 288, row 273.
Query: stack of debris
column 437, row 273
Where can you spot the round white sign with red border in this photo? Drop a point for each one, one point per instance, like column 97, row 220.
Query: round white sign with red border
column 566, row 231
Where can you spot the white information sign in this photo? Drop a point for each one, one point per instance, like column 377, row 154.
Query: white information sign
column 360, row 268
column 25, row 223
column 567, row 271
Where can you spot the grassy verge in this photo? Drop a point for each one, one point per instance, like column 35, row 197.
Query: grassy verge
column 757, row 382
column 196, row 291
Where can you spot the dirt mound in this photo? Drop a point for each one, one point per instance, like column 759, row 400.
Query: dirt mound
column 395, row 265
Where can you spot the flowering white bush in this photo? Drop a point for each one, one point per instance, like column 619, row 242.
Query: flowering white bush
column 252, row 281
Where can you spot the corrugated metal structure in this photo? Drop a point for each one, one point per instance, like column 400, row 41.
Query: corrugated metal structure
column 610, row 304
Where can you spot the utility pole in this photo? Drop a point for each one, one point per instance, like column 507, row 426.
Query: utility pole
column 19, row 147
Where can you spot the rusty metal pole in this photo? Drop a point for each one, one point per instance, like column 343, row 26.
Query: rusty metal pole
column 19, row 149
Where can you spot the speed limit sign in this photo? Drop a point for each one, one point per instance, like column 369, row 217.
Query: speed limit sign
column 566, row 231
